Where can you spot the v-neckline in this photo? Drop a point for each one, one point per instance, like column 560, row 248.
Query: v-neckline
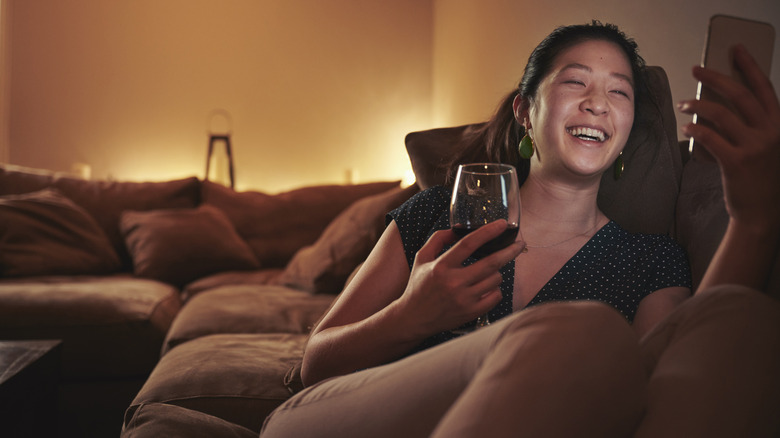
column 565, row 270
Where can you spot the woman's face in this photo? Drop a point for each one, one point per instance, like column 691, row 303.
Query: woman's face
column 583, row 111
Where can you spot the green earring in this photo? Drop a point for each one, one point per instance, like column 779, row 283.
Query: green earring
column 526, row 147
column 619, row 166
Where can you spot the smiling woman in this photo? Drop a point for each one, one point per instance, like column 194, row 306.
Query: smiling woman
column 582, row 296
column 576, row 105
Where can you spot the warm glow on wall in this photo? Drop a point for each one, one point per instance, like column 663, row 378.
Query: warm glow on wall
column 315, row 89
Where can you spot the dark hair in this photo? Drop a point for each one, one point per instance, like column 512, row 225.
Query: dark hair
column 497, row 139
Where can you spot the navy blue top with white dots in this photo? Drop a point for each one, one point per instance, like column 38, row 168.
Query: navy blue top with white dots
column 614, row 266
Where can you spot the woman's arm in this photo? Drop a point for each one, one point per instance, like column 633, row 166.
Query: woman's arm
column 654, row 307
column 387, row 310
column 746, row 144
column 379, row 282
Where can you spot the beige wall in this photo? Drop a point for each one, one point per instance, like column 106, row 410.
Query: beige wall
column 5, row 83
column 315, row 89
column 495, row 37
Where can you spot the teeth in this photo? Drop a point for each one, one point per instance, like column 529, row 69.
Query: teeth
column 588, row 133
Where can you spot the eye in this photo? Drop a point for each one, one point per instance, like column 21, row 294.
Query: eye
column 574, row 82
column 621, row 93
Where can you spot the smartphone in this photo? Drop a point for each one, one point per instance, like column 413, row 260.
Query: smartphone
column 725, row 32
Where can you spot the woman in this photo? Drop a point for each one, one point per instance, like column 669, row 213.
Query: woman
column 588, row 375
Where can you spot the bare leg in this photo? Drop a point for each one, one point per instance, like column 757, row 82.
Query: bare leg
column 715, row 367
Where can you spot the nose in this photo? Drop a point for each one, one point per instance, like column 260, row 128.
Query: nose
column 595, row 103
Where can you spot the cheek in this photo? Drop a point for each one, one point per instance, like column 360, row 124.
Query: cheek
column 543, row 113
column 626, row 122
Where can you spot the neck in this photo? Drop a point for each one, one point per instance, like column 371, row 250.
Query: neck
column 553, row 206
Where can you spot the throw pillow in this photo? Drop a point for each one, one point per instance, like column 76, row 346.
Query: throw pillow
column 177, row 246
column 276, row 226
column 45, row 233
column 104, row 200
column 325, row 266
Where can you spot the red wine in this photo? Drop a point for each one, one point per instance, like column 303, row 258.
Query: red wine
column 502, row 241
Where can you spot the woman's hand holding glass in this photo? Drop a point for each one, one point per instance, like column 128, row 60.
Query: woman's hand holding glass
column 442, row 293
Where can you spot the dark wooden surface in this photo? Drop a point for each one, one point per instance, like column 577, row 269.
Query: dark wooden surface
column 29, row 374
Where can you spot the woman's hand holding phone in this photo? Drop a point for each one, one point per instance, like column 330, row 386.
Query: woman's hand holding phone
column 745, row 141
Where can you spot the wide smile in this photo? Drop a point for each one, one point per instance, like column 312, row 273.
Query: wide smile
column 588, row 134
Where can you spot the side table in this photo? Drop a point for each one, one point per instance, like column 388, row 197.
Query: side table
column 29, row 374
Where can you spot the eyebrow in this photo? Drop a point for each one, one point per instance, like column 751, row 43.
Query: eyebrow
column 578, row 66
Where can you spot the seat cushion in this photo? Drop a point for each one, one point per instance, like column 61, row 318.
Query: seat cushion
column 155, row 420
column 247, row 309
column 110, row 326
column 238, row 378
column 262, row 276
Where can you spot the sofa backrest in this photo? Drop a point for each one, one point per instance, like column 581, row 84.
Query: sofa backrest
column 104, row 200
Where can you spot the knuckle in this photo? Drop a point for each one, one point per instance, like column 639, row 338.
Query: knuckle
column 438, row 269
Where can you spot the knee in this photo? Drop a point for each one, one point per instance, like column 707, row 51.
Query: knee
column 588, row 350
column 733, row 305
column 590, row 329
column 574, row 319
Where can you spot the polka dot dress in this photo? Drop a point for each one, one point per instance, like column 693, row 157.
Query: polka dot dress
column 616, row 267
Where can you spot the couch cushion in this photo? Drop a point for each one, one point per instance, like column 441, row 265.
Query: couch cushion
column 246, row 309
column 254, row 278
column 276, row 226
column 156, row 420
column 324, row 266
column 45, row 233
column 239, row 378
column 110, row 326
column 105, row 200
column 177, row 246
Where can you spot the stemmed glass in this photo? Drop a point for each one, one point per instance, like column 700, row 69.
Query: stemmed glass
column 483, row 193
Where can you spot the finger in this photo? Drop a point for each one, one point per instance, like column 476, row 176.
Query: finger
column 744, row 101
column 760, row 84
column 435, row 244
column 491, row 264
column 711, row 140
column 486, row 285
column 486, row 294
column 488, row 301
column 470, row 243
column 723, row 120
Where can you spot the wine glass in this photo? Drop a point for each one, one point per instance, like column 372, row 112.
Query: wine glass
column 483, row 193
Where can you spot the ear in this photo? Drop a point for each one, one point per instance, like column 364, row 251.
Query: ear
column 520, row 107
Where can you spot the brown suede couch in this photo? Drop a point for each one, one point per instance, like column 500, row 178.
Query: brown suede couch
column 222, row 328
column 109, row 267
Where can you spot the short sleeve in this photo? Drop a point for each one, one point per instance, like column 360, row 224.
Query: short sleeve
column 419, row 217
column 671, row 267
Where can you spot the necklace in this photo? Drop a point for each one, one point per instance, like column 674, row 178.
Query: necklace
column 527, row 246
